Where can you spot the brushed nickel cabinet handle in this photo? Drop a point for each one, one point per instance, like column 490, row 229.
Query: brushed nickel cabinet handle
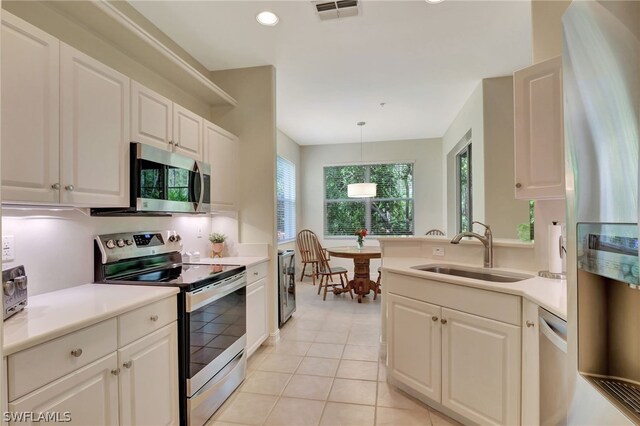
column 530, row 323
column 69, row 187
column 443, row 321
column 518, row 185
column 434, row 318
column 55, row 186
column 127, row 364
column 76, row 352
column 115, row 372
column 154, row 318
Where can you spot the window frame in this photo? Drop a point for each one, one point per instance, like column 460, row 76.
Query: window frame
column 367, row 201
column 294, row 201
column 468, row 150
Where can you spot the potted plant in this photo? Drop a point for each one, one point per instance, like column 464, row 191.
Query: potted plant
column 217, row 244
column 360, row 233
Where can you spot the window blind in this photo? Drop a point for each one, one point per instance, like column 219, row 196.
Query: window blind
column 389, row 213
column 286, row 196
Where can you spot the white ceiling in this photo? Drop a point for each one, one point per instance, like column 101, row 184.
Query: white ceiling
column 422, row 59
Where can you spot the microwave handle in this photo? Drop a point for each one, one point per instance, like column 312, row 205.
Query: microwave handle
column 200, row 195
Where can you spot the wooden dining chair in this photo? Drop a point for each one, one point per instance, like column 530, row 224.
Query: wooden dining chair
column 434, row 231
column 307, row 241
column 326, row 273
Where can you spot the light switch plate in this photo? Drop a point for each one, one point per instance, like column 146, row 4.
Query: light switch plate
column 438, row 251
column 7, row 248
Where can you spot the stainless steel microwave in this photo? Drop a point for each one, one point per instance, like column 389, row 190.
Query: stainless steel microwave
column 163, row 182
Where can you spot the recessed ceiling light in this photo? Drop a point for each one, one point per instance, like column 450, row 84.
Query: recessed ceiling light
column 434, row 1
column 267, row 18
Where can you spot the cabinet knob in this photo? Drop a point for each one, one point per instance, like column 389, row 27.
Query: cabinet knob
column 55, row 186
column 170, row 142
column 76, row 352
column 255, row 273
column 530, row 323
column 518, row 185
column 434, row 318
column 69, row 187
column 443, row 321
column 115, row 372
column 154, row 318
column 127, row 364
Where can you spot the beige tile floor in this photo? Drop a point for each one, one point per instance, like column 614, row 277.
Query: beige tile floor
column 325, row 370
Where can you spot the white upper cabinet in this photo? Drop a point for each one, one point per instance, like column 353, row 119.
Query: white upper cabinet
column 94, row 112
column 151, row 117
column 223, row 153
column 187, row 132
column 159, row 122
column 30, row 112
column 539, row 142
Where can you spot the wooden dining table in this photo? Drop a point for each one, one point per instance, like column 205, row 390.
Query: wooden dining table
column 361, row 283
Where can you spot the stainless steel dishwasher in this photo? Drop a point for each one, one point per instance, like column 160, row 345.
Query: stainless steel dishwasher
column 554, row 397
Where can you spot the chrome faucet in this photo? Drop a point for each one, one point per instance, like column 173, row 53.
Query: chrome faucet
column 487, row 240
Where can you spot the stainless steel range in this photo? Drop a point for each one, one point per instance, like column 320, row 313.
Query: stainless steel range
column 211, row 312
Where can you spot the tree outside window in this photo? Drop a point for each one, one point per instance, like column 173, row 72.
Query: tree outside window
column 391, row 212
column 465, row 210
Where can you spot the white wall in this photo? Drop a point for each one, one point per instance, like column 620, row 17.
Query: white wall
column 56, row 248
column 471, row 118
column 426, row 153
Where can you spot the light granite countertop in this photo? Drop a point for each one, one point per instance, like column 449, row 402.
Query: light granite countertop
column 549, row 293
column 54, row 314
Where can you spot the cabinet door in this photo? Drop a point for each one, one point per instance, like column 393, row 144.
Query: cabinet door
column 94, row 131
column 89, row 395
column 530, row 364
column 414, row 344
column 187, row 132
column 151, row 117
column 222, row 152
column 149, row 379
column 257, row 331
column 481, row 368
column 539, row 146
column 30, row 112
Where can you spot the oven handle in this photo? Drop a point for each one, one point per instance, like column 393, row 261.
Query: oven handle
column 201, row 297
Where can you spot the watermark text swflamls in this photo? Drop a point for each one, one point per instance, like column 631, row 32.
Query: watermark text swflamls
column 31, row 416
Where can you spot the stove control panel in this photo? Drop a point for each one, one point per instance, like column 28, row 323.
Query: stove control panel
column 14, row 291
column 114, row 247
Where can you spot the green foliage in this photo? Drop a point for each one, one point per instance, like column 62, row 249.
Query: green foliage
column 389, row 213
column 464, row 188
column 217, row 238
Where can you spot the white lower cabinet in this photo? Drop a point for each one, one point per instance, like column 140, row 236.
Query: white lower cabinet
column 468, row 363
column 89, row 396
column 149, row 379
column 136, row 384
column 481, row 368
column 257, row 306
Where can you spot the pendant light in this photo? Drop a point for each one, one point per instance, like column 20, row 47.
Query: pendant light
column 361, row 190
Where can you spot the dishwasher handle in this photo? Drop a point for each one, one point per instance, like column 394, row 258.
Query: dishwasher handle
column 555, row 337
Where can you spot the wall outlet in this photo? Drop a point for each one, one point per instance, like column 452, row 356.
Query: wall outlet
column 438, row 251
column 7, row 248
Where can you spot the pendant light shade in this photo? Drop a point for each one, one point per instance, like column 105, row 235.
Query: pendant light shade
column 365, row 189
column 361, row 190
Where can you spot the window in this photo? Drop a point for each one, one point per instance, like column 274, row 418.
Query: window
column 286, row 195
column 463, row 167
column 389, row 213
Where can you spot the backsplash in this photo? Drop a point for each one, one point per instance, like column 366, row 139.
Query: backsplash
column 56, row 247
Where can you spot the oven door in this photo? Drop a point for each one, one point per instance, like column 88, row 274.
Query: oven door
column 166, row 182
column 216, row 322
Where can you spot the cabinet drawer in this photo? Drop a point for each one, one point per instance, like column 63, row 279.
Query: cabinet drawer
column 256, row 272
column 41, row 364
column 138, row 323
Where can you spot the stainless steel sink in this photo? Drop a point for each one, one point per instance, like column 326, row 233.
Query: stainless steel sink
column 476, row 274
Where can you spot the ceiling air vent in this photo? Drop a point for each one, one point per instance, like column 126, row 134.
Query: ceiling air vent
column 336, row 9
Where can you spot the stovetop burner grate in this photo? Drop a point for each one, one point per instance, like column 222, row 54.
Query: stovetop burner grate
column 625, row 392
